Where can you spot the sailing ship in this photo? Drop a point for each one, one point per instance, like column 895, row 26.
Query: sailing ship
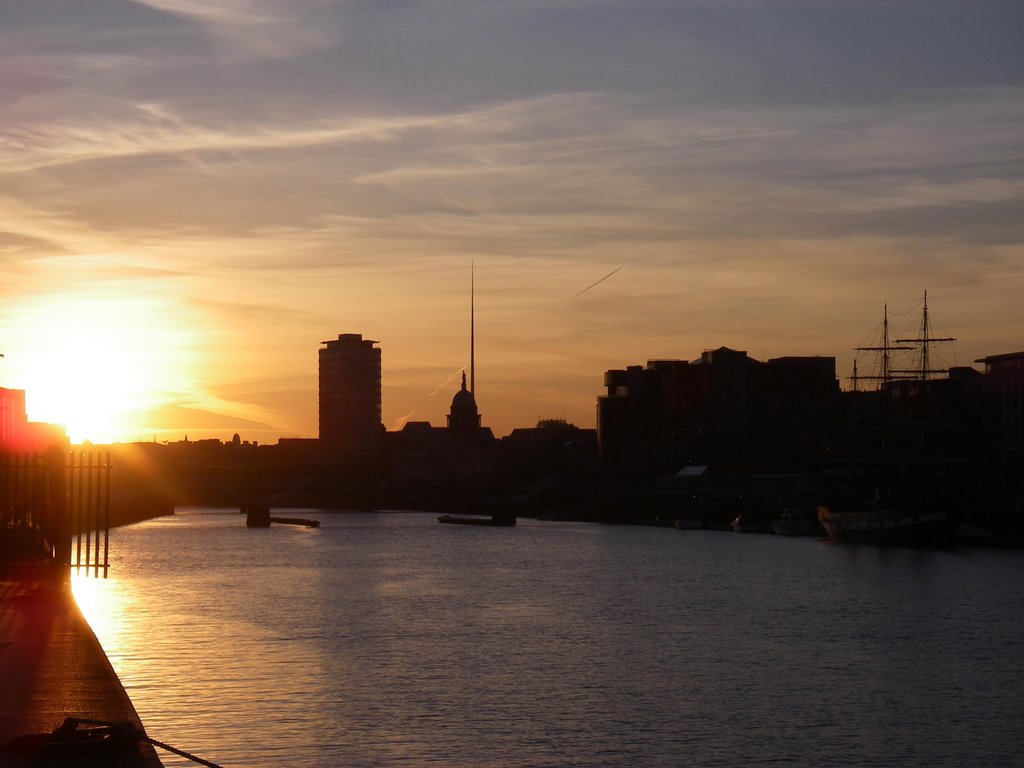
column 898, row 487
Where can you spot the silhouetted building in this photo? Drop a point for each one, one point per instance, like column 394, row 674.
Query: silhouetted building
column 1003, row 385
column 442, row 461
column 553, row 447
column 1001, row 390
column 464, row 416
column 725, row 409
column 12, row 415
column 17, row 433
column 350, row 402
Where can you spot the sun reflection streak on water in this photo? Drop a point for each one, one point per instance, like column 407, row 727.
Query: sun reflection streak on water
column 195, row 639
column 102, row 602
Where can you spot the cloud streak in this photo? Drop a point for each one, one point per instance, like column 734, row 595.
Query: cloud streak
column 518, row 158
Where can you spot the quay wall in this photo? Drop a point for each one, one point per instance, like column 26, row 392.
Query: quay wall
column 53, row 667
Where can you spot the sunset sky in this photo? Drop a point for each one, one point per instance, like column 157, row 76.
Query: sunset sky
column 194, row 195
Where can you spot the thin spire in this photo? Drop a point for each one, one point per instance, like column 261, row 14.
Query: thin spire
column 472, row 328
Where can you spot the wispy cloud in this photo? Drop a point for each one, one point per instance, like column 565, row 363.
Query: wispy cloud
column 539, row 176
column 258, row 28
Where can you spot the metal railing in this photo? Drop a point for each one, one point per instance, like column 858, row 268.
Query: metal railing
column 54, row 513
column 88, row 501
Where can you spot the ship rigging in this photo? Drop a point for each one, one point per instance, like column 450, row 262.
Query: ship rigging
column 887, row 369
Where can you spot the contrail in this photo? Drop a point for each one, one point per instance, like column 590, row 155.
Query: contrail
column 446, row 382
column 596, row 283
column 401, row 420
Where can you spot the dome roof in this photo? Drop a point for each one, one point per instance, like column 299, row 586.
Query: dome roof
column 464, row 415
column 463, row 400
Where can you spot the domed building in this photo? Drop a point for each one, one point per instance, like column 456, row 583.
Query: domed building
column 464, row 416
column 442, row 462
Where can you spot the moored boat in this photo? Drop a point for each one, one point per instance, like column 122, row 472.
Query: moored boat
column 502, row 521
column 793, row 522
column 689, row 523
column 905, row 478
column 741, row 524
column 891, row 525
column 258, row 516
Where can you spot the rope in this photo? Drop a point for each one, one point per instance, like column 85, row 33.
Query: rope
column 138, row 733
column 181, row 753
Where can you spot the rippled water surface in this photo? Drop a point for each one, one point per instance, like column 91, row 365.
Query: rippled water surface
column 386, row 639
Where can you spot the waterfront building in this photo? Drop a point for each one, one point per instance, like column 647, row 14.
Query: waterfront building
column 1001, row 426
column 724, row 409
column 553, row 447
column 350, row 400
column 1003, row 386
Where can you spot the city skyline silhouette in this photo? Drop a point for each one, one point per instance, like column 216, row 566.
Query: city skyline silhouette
column 190, row 201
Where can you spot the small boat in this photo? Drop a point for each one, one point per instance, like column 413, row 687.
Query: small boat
column 793, row 522
column 296, row 521
column 905, row 489
column 657, row 522
column 740, row 525
column 896, row 525
column 258, row 516
column 502, row 521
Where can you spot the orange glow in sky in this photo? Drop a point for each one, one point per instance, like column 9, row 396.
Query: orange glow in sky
column 95, row 365
column 192, row 199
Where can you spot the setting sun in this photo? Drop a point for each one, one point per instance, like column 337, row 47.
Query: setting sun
column 94, row 365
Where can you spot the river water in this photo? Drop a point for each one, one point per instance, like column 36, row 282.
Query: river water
column 385, row 639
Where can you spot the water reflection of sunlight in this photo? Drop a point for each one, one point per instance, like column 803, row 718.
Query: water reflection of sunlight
column 102, row 602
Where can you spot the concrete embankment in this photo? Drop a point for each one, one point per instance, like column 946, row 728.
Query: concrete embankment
column 52, row 667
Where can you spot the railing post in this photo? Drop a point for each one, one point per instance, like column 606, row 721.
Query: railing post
column 107, row 468
column 58, row 512
column 5, row 508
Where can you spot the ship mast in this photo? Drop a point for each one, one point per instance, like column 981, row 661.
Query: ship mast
column 925, row 340
column 885, row 370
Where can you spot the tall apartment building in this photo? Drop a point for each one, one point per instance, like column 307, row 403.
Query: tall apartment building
column 350, row 404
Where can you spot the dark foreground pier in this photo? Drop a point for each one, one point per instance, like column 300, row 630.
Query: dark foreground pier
column 55, row 515
column 52, row 667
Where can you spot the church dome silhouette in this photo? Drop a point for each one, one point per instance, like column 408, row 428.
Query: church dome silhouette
column 464, row 416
